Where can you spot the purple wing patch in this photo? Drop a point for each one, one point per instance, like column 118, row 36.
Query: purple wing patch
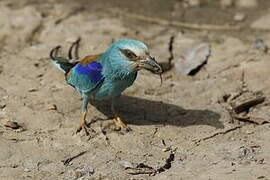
column 92, row 70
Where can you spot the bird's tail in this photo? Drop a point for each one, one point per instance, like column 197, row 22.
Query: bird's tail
column 61, row 63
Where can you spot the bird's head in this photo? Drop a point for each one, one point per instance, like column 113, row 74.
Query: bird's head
column 133, row 55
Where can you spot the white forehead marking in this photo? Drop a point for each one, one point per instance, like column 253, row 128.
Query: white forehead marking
column 138, row 50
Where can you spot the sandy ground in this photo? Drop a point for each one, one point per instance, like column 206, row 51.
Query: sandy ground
column 187, row 115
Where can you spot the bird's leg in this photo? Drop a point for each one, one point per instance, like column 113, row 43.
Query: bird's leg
column 119, row 122
column 83, row 123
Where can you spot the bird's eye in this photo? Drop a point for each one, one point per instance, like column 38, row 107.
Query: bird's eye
column 129, row 54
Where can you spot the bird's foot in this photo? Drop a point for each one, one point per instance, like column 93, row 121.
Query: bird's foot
column 120, row 124
column 86, row 128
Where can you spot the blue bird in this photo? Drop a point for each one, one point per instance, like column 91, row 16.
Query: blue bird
column 106, row 75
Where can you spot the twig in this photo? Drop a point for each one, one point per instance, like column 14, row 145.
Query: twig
column 244, row 84
column 171, row 50
column 145, row 169
column 166, row 66
column 248, row 104
column 68, row 160
column 9, row 166
column 141, row 169
column 103, row 132
column 155, row 131
column 17, row 140
column 219, row 133
column 180, row 24
column 163, row 142
column 251, row 119
column 168, row 163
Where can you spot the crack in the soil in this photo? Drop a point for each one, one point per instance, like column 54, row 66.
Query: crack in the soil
column 219, row 133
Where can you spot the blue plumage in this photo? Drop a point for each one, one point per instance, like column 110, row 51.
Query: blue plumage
column 107, row 75
column 92, row 70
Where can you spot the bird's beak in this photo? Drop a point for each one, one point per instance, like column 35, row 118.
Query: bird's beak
column 149, row 63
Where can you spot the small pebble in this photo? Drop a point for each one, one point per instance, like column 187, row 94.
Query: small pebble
column 239, row 17
column 249, row 132
column 32, row 90
column 126, row 164
column 52, row 107
column 39, row 75
column 84, row 170
column 260, row 45
column 261, row 161
column 2, row 105
column 26, row 170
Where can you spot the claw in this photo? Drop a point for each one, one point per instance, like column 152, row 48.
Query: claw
column 121, row 124
column 84, row 125
column 86, row 128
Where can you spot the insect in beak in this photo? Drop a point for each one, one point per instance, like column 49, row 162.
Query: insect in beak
column 149, row 63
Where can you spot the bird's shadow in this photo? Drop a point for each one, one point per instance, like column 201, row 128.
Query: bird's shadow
column 140, row 111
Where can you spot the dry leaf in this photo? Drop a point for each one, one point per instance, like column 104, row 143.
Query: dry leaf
column 192, row 59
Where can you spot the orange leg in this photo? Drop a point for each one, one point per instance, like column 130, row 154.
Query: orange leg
column 119, row 122
column 84, row 125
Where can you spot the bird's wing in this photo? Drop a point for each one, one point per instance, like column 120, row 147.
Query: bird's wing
column 88, row 59
column 87, row 74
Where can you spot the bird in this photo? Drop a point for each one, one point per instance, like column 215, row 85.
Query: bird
column 105, row 75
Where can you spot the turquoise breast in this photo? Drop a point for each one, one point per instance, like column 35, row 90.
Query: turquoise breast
column 113, row 87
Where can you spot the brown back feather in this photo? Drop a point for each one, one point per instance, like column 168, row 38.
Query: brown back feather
column 88, row 59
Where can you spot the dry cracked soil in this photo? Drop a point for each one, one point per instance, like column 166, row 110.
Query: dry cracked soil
column 188, row 116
